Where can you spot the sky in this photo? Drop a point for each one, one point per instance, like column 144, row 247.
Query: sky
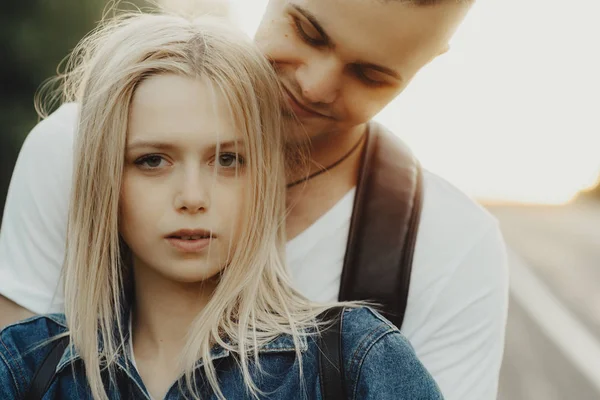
column 512, row 112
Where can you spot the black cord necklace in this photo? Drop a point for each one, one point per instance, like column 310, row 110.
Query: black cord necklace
column 329, row 167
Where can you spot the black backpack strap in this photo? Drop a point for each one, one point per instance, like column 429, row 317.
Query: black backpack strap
column 45, row 373
column 331, row 366
column 384, row 225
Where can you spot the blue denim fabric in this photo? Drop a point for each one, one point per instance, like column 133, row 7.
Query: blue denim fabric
column 379, row 363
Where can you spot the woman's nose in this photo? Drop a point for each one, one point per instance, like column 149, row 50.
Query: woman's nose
column 194, row 193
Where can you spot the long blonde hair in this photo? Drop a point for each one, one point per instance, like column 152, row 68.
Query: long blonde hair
column 254, row 301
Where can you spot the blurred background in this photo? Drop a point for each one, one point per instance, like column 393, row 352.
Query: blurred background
column 511, row 115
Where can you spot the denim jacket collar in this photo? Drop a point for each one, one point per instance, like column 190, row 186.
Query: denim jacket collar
column 281, row 344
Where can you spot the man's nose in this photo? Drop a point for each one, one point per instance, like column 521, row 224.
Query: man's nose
column 320, row 80
column 194, row 191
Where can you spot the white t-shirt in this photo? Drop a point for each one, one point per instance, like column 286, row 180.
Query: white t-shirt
column 458, row 299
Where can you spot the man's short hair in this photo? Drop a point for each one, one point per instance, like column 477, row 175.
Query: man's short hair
column 425, row 3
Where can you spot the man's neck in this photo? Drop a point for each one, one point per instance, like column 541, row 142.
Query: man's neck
column 327, row 148
column 310, row 200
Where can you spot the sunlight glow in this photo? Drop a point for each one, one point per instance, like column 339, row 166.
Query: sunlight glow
column 511, row 113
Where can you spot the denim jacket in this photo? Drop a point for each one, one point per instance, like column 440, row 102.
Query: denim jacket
column 379, row 363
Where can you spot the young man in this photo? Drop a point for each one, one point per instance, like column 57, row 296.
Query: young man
column 340, row 63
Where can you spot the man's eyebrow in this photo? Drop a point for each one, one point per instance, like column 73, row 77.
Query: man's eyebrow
column 313, row 20
column 381, row 68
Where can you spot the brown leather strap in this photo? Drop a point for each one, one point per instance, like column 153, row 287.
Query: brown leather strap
column 384, row 225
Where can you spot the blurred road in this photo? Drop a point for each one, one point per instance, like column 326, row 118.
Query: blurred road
column 553, row 339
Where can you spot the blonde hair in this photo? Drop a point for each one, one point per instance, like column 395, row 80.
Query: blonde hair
column 254, row 301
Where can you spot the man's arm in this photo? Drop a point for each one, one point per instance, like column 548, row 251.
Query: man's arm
column 11, row 312
column 33, row 232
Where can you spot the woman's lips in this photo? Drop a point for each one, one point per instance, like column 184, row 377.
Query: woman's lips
column 189, row 245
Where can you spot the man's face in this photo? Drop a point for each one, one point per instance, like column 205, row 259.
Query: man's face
column 342, row 61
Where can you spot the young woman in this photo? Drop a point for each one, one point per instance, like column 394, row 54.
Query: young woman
column 174, row 278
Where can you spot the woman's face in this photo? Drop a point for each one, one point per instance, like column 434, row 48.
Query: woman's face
column 181, row 202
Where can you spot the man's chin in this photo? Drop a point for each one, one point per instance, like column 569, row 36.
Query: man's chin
column 305, row 129
column 299, row 132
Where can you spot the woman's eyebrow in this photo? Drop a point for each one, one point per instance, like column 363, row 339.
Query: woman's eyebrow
column 229, row 144
column 152, row 144
column 137, row 144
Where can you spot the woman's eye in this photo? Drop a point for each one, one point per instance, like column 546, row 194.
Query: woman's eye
column 229, row 160
column 150, row 162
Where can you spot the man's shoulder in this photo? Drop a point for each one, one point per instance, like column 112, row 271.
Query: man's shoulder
column 451, row 224
column 444, row 205
column 453, row 229
column 451, row 206
column 33, row 231
column 460, row 253
column 55, row 131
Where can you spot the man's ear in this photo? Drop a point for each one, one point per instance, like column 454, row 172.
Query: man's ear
column 444, row 50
